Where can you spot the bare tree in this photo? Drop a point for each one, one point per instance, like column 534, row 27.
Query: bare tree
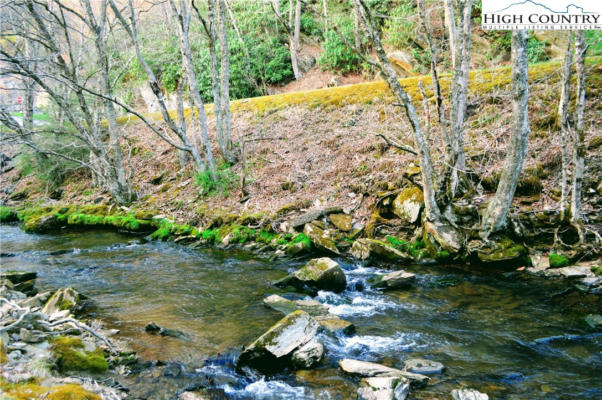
column 225, row 141
column 497, row 210
column 563, row 121
column 185, row 144
column 52, row 25
column 579, row 139
column 435, row 225
column 293, row 29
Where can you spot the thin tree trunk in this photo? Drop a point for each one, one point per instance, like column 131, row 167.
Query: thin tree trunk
column 182, row 155
column 579, row 141
column 432, row 212
column 497, row 211
column 325, row 15
column 119, row 185
column 217, row 103
column 450, row 23
column 226, row 129
column 183, row 16
column 563, row 121
column 357, row 36
column 295, row 40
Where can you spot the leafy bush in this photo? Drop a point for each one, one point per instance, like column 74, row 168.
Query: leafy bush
column 536, row 50
column 337, row 56
column 309, row 26
column 399, row 28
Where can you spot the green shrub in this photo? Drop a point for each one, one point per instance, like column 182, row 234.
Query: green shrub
column 536, row 50
column 337, row 56
column 399, row 27
column 309, row 26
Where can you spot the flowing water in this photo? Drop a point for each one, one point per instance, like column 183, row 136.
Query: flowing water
column 508, row 335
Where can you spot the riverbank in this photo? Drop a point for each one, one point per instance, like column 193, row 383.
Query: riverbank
column 498, row 333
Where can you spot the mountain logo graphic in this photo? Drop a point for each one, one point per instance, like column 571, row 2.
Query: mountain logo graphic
column 567, row 9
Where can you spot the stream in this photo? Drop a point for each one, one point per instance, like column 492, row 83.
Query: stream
column 508, row 335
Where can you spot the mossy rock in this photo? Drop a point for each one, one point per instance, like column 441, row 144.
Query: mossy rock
column 62, row 299
column 558, row 260
column 42, row 223
column 343, row 222
column 31, row 390
column 408, row 203
column 3, row 356
column 503, row 252
column 7, row 214
column 319, row 273
column 299, row 245
column 71, row 356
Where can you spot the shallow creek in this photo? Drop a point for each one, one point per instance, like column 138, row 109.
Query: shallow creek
column 492, row 331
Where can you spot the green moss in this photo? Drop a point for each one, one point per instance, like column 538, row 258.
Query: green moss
column 31, row 390
column 595, row 142
column 265, row 236
column 558, row 260
column 596, row 269
column 301, row 237
column 70, row 358
column 209, row 235
column 7, row 214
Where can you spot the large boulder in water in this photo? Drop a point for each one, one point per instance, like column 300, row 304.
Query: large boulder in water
column 319, row 273
column 383, row 388
column 274, row 349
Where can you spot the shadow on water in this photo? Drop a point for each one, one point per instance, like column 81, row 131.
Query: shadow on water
column 511, row 336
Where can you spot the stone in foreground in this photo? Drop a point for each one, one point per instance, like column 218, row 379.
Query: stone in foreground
column 274, row 349
column 468, row 394
column 384, row 388
column 62, row 299
column 394, row 280
column 320, row 273
column 423, row 367
column 308, row 355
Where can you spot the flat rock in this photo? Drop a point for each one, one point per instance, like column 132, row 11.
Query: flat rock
column 468, row 394
column 332, row 323
column 423, row 367
column 572, row 272
column 368, row 369
column 286, row 306
column 273, row 349
column 393, row 280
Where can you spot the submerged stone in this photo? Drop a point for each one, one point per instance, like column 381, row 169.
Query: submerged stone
column 468, row 394
column 333, row 324
column 594, row 320
column 423, row 367
column 273, row 350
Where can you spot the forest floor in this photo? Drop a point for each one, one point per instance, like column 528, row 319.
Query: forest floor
column 319, row 148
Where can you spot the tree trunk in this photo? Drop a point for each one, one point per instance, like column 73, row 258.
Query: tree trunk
column 450, row 23
column 182, row 155
column 294, row 40
column 579, row 140
column 183, row 16
column 563, row 121
column 226, row 129
column 217, row 103
column 497, row 211
column 119, row 185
